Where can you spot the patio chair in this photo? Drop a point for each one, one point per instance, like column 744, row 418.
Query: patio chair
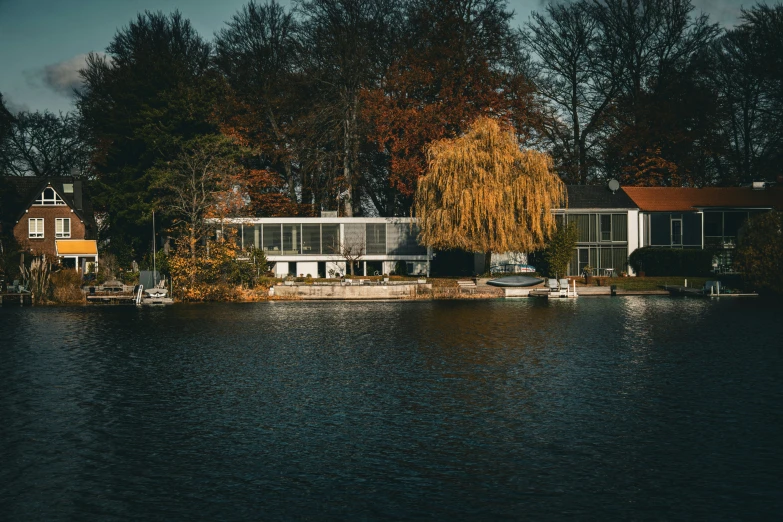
column 564, row 287
column 552, row 285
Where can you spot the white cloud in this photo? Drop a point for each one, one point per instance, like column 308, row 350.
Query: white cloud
column 62, row 77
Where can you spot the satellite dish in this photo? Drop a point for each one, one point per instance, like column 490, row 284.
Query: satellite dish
column 614, row 185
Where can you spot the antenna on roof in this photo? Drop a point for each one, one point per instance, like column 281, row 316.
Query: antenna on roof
column 614, row 185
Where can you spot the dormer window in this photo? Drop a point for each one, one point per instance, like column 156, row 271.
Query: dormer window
column 49, row 197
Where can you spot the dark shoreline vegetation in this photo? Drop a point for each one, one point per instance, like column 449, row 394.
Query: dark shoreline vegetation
column 335, row 106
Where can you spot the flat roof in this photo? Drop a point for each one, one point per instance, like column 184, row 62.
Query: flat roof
column 76, row 247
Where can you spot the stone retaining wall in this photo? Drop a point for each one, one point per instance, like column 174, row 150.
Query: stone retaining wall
column 350, row 292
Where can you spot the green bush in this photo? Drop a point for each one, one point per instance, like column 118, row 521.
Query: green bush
column 760, row 252
column 660, row 262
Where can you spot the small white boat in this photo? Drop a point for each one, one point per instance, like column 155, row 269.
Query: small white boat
column 153, row 296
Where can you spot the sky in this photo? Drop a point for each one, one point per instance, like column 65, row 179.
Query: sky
column 43, row 43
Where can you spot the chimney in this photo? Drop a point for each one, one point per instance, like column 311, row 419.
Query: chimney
column 77, row 194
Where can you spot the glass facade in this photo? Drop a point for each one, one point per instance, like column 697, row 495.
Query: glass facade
column 311, row 239
column 601, row 242
column 273, row 242
column 308, row 239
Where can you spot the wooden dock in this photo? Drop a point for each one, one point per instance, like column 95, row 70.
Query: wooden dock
column 11, row 299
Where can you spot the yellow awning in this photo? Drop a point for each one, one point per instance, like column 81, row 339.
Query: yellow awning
column 76, row 247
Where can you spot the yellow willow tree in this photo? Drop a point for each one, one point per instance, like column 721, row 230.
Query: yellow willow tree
column 482, row 193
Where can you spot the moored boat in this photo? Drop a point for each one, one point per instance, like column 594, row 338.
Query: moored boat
column 515, row 281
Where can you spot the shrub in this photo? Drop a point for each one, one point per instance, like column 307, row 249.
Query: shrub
column 659, row 262
column 559, row 250
column 760, row 252
column 66, row 286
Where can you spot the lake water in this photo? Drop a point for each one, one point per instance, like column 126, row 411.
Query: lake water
column 595, row 408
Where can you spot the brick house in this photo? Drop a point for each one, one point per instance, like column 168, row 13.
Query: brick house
column 49, row 216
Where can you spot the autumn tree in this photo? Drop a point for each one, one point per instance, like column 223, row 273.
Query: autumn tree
column 200, row 183
column 457, row 60
column 342, row 45
column 482, row 193
column 655, row 122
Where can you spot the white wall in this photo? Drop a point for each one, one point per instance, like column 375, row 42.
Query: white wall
column 634, row 234
column 307, row 267
column 281, row 269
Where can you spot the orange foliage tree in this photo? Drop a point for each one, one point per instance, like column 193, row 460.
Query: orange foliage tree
column 482, row 193
column 460, row 64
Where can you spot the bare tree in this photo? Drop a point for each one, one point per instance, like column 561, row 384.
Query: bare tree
column 577, row 79
column 198, row 184
column 352, row 247
column 341, row 43
column 256, row 53
column 45, row 144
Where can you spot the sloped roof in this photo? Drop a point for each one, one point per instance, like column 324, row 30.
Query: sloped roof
column 678, row 199
column 597, row 197
column 18, row 193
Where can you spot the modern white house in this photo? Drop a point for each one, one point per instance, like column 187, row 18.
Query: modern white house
column 323, row 246
column 611, row 221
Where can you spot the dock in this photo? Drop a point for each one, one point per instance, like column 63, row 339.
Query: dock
column 18, row 299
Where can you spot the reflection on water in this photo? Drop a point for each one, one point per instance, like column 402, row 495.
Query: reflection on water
column 591, row 408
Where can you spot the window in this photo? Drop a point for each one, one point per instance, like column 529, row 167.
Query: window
column 676, row 232
column 62, row 227
column 376, row 238
column 49, row 197
column 606, row 227
column 35, row 227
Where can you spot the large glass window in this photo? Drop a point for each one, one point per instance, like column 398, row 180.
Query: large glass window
column 376, row 238
column 311, row 239
column 354, row 239
column 713, row 224
column 606, row 227
column 330, row 238
column 732, row 222
column 35, row 227
column 62, row 227
column 401, row 238
column 272, row 239
column 251, row 236
column 292, row 238
column 619, row 227
column 582, row 226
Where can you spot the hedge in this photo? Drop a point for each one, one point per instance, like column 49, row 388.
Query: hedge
column 659, row 262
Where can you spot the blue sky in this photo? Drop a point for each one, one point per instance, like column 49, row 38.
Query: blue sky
column 43, row 42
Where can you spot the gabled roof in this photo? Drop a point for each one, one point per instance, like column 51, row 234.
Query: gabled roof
column 597, row 197
column 18, row 193
column 678, row 199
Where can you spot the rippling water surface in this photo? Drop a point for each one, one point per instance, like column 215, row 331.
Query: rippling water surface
column 623, row 408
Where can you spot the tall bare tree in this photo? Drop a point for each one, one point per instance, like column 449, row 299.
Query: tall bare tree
column 257, row 54
column 578, row 78
column 341, row 47
column 45, row 144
